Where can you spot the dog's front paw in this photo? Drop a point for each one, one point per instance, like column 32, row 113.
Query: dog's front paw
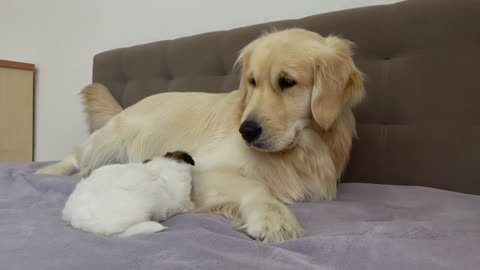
column 272, row 223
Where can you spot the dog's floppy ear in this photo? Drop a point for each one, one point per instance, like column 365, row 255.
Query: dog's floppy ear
column 242, row 62
column 338, row 83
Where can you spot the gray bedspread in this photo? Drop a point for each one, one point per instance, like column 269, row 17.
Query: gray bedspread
column 367, row 227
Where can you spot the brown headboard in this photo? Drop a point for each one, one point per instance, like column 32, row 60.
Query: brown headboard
column 420, row 124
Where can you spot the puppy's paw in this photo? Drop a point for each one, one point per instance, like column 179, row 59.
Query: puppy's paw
column 272, row 223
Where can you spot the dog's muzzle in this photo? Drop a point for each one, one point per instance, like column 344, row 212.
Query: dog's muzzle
column 250, row 131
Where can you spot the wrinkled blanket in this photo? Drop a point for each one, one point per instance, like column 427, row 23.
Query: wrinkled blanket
column 367, row 227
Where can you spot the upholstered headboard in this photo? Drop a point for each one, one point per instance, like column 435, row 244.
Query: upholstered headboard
column 420, row 124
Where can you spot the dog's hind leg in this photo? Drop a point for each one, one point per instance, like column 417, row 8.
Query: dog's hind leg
column 101, row 148
column 67, row 166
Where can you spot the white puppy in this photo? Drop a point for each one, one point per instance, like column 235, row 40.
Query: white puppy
column 129, row 199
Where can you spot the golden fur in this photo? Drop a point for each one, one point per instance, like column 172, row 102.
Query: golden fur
column 307, row 130
column 100, row 106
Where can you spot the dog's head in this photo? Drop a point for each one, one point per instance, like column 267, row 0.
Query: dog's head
column 294, row 79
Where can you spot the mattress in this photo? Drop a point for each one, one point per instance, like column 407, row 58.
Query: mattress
column 367, row 227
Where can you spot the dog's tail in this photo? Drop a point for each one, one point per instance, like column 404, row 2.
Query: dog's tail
column 99, row 105
column 143, row 227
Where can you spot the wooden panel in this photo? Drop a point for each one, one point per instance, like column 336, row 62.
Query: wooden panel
column 16, row 114
column 19, row 65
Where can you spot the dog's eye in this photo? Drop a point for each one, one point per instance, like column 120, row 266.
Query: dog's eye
column 252, row 82
column 285, row 83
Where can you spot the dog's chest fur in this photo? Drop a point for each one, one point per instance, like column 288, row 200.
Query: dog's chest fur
column 303, row 173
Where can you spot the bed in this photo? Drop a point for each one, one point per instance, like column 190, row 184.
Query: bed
column 409, row 198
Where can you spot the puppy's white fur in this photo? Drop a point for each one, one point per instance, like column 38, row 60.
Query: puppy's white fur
column 129, row 199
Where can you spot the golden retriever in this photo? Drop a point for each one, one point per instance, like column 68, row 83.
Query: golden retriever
column 284, row 136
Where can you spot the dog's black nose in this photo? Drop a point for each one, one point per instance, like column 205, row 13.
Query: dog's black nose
column 250, row 131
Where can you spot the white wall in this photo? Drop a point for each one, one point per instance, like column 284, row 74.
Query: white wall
column 60, row 37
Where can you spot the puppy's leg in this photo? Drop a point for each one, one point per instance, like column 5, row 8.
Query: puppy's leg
column 260, row 214
column 67, row 166
column 143, row 227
